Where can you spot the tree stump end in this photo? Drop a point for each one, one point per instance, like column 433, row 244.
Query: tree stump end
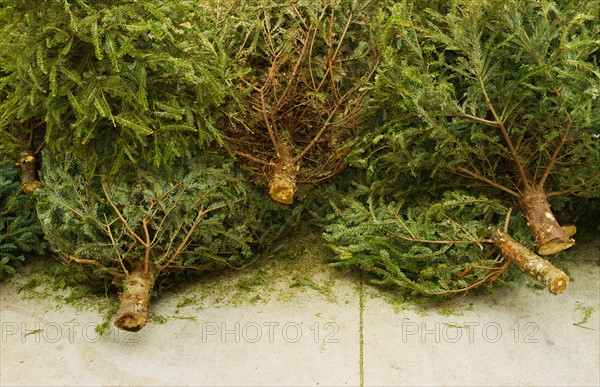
column 555, row 246
column 558, row 283
column 131, row 321
column 282, row 190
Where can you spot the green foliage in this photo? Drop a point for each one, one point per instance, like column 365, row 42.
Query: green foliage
column 460, row 80
column 477, row 100
column 20, row 232
column 204, row 216
column 146, row 75
column 432, row 248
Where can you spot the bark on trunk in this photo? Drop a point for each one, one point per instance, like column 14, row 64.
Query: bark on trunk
column 135, row 300
column 28, row 167
column 548, row 236
column 554, row 279
column 282, row 186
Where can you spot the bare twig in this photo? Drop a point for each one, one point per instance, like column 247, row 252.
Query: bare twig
column 292, row 76
column 147, row 245
column 125, row 223
column 507, row 220
column 270, row 129
column 112, row 239
column 504, row 132
column 184, row 243
column 252, row 158
column 476, row 119
column 93, row 262
column 460, row 226
column 160, row 226
column 436, row 242
column 465, row 172
column 554, row 158
column 317, row 137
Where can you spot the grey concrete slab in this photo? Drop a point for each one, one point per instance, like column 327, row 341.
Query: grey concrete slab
column 515, row 336
column 304, row 338
column 296, row 322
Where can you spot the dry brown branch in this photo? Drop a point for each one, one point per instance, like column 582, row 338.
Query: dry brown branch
column 252, row 158
column 270, row 129
column 317, row 137
column 299, row 102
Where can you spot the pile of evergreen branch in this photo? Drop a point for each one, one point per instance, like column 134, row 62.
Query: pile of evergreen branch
column 482, row 115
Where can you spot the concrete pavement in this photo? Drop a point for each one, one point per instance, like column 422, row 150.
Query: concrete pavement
column 312, row 327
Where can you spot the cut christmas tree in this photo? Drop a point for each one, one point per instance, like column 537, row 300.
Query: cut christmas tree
column 441, row 248
column 309, row 66
column 143, row 226
column 501, row 96
column 149, row 74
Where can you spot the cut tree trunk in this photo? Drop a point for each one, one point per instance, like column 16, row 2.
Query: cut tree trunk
column 28, row 167
column 135, row 300
column 554, row 279
column 282, row 184
column 548, row 236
